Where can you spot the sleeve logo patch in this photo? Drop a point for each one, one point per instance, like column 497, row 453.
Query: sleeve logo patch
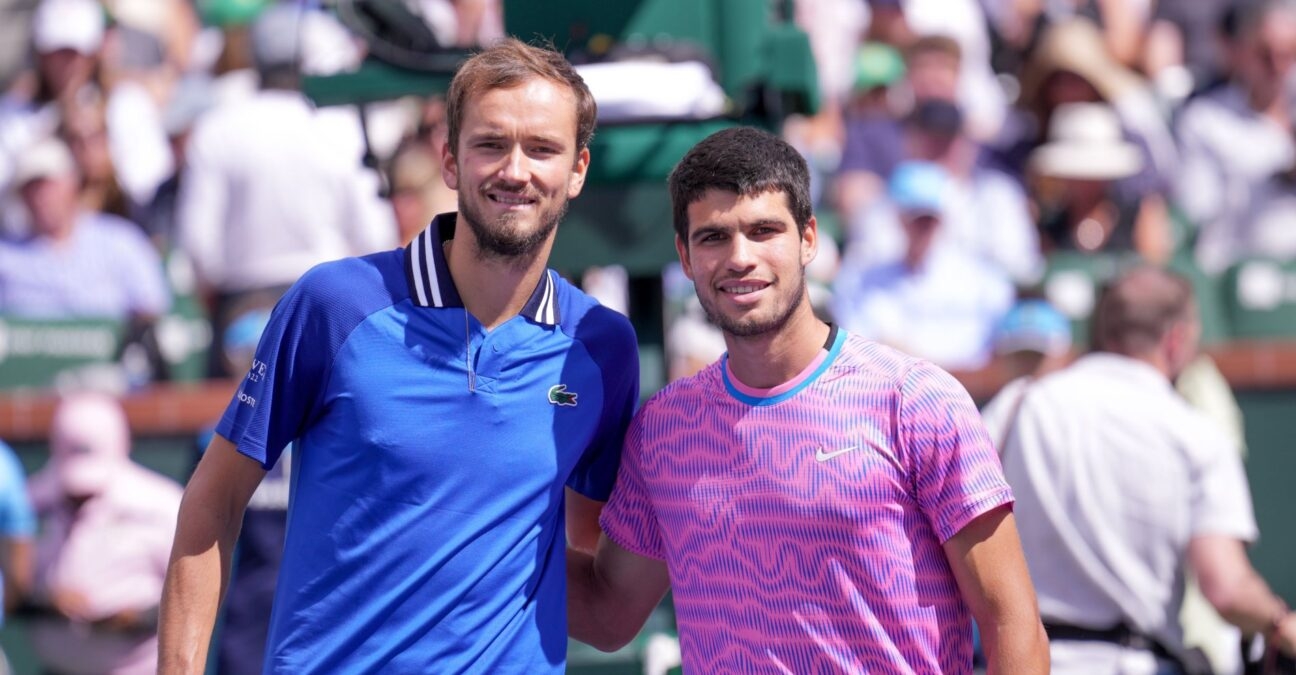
column 558, row 395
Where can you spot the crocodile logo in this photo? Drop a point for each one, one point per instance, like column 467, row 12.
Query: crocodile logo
column 558, row 395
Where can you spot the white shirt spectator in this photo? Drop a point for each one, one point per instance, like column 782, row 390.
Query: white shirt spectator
column 944, row 311
column 1228, row 151
column 1114, row 473
column 106, row 269
column 273, row 189
column 985, row 215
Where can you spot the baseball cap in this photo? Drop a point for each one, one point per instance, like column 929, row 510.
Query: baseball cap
column 917, row 188
column 1033, row 325
column 877, row 65
column 68, row 24
column 89, row 442
column 45, row 158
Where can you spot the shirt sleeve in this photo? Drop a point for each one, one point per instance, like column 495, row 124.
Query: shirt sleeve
column 955, row 470
column 629, row 518
column 1220, row 499
column 285, row 385
column 611, row 342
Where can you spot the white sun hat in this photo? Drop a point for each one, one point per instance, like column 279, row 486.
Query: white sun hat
column 1085, row 143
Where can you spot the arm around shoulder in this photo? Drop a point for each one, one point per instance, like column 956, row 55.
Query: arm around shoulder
column 611, row 593
column 987, row 560
column 211, row 514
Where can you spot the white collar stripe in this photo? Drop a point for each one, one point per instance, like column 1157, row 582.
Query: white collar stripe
column 547, row 304
column 416, row 262
column 429, row 258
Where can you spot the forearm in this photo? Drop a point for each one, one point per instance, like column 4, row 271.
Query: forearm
column 1019, row 646
column 195, row 585
column 1250, row 604
column 590, row 617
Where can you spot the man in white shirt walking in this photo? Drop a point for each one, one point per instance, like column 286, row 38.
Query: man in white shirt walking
column 1122, row 488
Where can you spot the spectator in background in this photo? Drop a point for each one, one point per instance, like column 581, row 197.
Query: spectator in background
column 416, row 188
column 66, row 37
column 271, row 188
column 1032, row 340
column 85, row 130
column 934, row 300
column 872, row 145
column 977, row 91
column 1109, row 548
column 67, row 40
column 1081, row 207
column 191, row 97
column 106, row 528
column 1184, row 48
column 1071, row 64
column 75, row 263
column 984, row 212
column 1234, row 138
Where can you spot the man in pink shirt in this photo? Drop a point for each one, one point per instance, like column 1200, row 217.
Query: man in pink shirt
column 106, row 529
column 817, row 502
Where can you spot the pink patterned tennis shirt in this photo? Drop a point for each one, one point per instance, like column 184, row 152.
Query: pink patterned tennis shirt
column 802, row 526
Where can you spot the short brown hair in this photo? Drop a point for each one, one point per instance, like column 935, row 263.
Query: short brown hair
column 1138, row 308
column 934, row 44
column 508, row 63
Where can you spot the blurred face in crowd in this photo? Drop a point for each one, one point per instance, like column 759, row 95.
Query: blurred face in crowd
column 934, row 75
column 65, row 70
column 747, row 259
column 87, row 136
column 516, row 166
column 52, row 203
column 1065, row 86
column 928, row 146
column 1266, row 55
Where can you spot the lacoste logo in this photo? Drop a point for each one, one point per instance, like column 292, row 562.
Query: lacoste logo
column 821, row 456
column 558, row 395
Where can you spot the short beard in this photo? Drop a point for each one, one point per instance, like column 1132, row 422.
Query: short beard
column 501, row 241
column 746, row 329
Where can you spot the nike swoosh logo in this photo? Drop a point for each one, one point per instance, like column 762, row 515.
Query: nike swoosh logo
column 821, row 456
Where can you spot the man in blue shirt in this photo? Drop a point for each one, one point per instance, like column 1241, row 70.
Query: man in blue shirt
column 439, row 398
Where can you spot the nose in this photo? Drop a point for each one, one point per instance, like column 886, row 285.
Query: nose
column 742, row 253
column 515, row 168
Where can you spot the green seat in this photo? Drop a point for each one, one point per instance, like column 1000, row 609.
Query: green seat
column 1260, row 297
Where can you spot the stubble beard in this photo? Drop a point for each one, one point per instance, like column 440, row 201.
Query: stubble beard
column 746, row 328
column 501, row 239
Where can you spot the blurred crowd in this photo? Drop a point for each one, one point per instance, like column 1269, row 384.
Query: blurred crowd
column 154, row 152
column 971, row 148
column 962, row 151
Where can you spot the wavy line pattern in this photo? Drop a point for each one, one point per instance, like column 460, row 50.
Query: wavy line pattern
column 782, row 562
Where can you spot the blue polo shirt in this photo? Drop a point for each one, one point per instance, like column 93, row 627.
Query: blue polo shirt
column 425, row 524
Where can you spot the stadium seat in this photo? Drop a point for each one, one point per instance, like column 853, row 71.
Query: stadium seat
column 1260, row 297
